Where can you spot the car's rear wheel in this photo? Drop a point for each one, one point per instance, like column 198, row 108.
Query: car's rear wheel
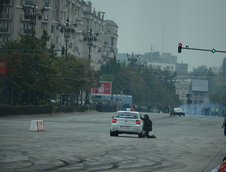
column 113, row 133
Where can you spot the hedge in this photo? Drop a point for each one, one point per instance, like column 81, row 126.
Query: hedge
column 41, row 109
column 24, row 109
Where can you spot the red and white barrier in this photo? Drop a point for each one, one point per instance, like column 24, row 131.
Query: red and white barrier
column 37, row 125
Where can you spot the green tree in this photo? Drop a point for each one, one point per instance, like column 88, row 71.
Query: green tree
column 30, row 77
column 202, row 70
column 217, row 89
column 75, row 78
column 224, row 67
column 148, row 86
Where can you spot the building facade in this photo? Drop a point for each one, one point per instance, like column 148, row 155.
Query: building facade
column 181, row 68
column 192, row 89
column 93, row 37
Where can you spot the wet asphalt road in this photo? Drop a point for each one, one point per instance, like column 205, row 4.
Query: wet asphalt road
column 81, row 142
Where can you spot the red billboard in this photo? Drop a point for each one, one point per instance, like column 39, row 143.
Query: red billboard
column 2, row 68
column 103, row 88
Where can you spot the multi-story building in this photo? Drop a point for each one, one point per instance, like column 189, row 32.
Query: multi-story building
column 183, row 89
column 164, row 61
column 200, row 91
column 93, row 37
column 192, row 89
column 181, row 68
column 163, row 66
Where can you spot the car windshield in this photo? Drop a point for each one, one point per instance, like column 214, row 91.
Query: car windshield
column 127, row 115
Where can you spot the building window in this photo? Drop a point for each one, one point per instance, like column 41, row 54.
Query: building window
column 4, row 26
column 57, row 27
column 27, row 28
column 168, row 68
column 5, row 39
column 27, row 16
column 52, row 28
column 44, row 26
column 112, row 41
column 57, row 40
column 8, row 2
column 6, row 10
column 46, row 3
column 45, row 15
column 28, row 2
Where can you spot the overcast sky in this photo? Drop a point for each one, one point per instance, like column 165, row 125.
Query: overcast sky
column 161, row 24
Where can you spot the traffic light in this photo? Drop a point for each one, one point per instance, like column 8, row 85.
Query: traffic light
column 213, row 50
column 179, row 47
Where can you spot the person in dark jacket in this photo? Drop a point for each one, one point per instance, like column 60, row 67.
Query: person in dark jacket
column 224, row 125
column 147, row 125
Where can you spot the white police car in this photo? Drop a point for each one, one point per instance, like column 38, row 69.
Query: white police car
column 127, row 122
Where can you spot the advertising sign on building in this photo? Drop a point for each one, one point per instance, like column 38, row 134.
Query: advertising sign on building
column 103, row 88
column 199, row 85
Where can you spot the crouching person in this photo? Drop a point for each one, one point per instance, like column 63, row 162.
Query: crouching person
column 147, row 126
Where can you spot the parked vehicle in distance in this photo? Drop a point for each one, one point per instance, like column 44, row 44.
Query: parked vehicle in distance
column 127, row 122
column 177, row 111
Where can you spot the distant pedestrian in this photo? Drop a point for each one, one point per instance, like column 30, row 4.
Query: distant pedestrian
column 213, row 110
column 216, row 111
column 223, row 111
column 224, row 124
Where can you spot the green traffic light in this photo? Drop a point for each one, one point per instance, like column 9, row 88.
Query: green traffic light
column 213, row 50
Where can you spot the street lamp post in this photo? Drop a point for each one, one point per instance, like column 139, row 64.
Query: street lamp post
column 90, row 37
column 68, row 29
column 32, row 13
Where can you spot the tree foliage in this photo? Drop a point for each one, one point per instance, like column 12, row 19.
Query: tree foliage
column 148, row 86
column 217, row 89
column 224, row 67
column 34, row 75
